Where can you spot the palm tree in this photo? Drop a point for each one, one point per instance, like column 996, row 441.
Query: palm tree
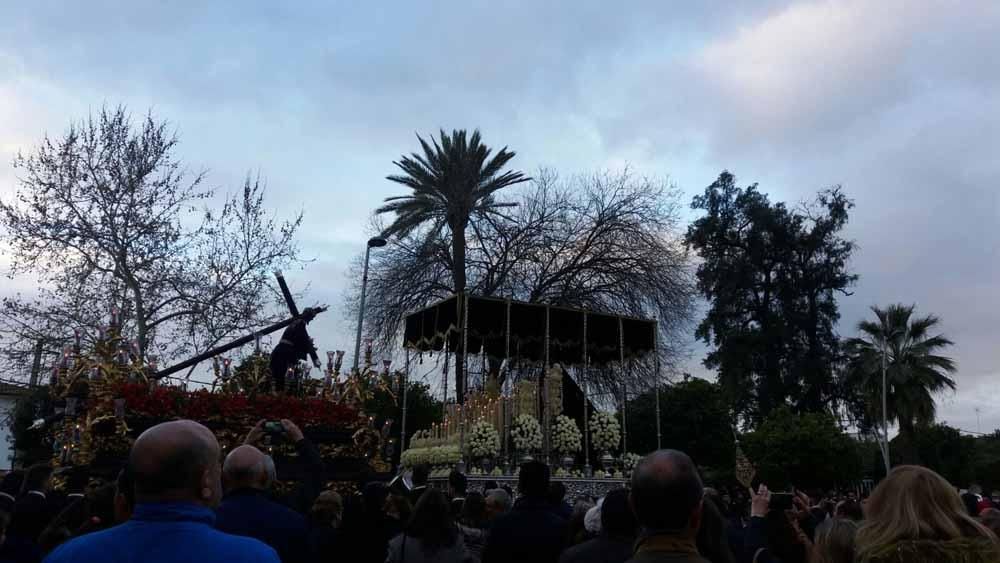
column 450, row 182
column 915, row 371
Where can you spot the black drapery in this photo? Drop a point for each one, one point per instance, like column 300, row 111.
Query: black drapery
column 608, row 337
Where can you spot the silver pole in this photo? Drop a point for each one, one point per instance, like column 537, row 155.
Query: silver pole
column 885, row 414
column 586, row 399
column 361, row 309
column 406, row 383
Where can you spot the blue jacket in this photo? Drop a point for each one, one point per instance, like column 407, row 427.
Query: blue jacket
column 163, row 533
column 248, row 512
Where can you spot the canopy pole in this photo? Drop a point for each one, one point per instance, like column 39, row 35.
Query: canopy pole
column 405, row 383
column 546, row 403
column 621, row 354
column 586, row 399
column 656, row 363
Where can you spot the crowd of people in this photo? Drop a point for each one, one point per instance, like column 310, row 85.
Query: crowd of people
column 179, row 499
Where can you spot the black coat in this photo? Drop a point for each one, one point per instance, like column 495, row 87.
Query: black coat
column 599, row 550
column 531, row 533
column 32, row 513
column 248, row 512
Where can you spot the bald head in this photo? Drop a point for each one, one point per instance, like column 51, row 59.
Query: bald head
column 666, row 491
column 176, row 461
column 246, row 466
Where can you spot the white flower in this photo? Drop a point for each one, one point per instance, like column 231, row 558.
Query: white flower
column 604, row 431
column 566, row 436
column 484, row 440
column 526, row 433
column 630, row 460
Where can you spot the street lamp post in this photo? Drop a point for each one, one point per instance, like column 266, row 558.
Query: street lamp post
column 374, row 242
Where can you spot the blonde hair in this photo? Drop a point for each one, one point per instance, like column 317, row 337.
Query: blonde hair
column 835, row 541
column 915, row 503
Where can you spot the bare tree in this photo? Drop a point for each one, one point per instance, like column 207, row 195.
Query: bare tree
column 106, row 217
column 606, row 242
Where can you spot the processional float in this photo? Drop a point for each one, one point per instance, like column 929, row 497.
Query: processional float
column 529, row 351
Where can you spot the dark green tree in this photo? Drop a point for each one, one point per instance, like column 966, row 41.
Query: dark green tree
column 422, row 410
column 915, row 370
column 694, row 418
column 807, row 450
column 941, row 448
column 450, row 182
column 771, row 275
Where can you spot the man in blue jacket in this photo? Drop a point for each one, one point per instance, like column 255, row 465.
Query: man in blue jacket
column 177, row 482
column 246, row 510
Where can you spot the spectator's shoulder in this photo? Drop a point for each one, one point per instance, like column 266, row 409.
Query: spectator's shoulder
column 242, row 548
column 94, row 546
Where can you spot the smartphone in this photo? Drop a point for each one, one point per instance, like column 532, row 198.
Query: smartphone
column 273, row 427
column 781, row 501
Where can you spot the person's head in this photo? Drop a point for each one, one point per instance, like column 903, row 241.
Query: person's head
column 849, row 510
column 617, row 520
column 246, row 467
column 497, row 503
column 373, row 497
column 557, row 493
column 398, row 506
column 577, row 526
column 851, row 495
column 37, row 478
column 835, row 541
column 991, row 519
column 457, row 483
column 666, row 493
column 420, row 474
column 474, row 510
column 177, row 461
column 489, row 485
column 995, row 497
column 327, row 509
column 432, row 521
column 533, row 480
column 11, row 483
column 124, row 495
column 975, row 489
column 712, row 539
column 915, row 503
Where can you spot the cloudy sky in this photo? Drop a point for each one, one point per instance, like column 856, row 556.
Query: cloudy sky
column 899, row 102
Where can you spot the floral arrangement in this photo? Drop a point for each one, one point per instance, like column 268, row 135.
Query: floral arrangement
column 166, row 402
column 566, row 435
column 630, row 460
column 484, row 440
column 437, row 455
column 526, row 433
column 605, row 431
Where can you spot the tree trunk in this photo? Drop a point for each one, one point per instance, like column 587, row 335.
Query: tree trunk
column 458, row 276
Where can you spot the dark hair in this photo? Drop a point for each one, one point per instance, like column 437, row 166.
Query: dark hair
column 11, row 483
column 617, row 520
column 489, row 485
column 666, row 490
column 557, row 492
column 420, row 474
column 533, row 479
column 713, row 536
column 373, row 497
column 850, row 510
column 782, row 539
column 432, row 523
column 474, row 510
column 125, row 485
column 35, row 477
column 457, row 481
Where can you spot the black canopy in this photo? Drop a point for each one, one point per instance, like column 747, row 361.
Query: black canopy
column 607, row 336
